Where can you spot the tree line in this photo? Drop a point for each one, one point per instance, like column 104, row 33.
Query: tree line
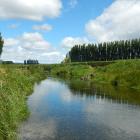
column 107, row 51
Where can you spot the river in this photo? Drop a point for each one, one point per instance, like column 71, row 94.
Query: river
column 70, row 110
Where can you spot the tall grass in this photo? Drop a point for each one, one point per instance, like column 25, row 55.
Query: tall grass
column 122, row 73
column 16, row 82
column 118, row 73
column 71, row 71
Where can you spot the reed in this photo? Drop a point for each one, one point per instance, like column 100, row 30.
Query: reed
column 16, row 83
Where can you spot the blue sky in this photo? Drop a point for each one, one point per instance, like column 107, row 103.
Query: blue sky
column 47, row 29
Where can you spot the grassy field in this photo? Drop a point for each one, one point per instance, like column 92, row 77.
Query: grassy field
column 16, row 83
column 118, row 73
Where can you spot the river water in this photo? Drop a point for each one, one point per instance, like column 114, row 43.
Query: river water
column 80, row 111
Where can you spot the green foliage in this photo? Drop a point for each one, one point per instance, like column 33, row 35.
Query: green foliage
column 71, row 70
column 118, row 73
column 107, row 51
column 16, row 82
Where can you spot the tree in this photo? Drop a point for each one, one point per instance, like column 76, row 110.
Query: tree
column 1, row 44
column 25, row 62
column 107, row 51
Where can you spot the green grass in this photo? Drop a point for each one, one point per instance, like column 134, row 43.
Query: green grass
column 71, row 71
column 118, row 73
column 16, row 83
column 121, row 73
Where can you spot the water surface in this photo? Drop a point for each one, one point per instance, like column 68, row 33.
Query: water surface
column 80, row 111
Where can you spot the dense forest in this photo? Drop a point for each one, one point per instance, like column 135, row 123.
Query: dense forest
column 107, row 51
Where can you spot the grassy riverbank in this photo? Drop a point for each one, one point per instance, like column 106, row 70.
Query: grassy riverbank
column 16, row 83
column 118, row 73
column 121, row 73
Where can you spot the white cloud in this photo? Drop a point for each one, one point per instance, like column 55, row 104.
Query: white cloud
column 11, row 42
column 30, row 9
column 55, row 53
column 30, row 46
column 34, row 42
column 73, row 3
column 67, row 96
column 44, row 27
column 121, row 20
column 69, row 42
column 104, row 111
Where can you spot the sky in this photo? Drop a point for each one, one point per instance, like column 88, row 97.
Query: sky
column 47, row 29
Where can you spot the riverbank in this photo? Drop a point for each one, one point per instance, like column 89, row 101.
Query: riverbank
column 117, row 73
column 16, row 83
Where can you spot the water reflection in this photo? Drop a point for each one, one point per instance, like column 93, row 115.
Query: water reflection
column 76, row 110
column 115, row 94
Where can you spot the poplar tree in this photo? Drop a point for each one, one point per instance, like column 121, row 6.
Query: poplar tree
column 107, row 51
